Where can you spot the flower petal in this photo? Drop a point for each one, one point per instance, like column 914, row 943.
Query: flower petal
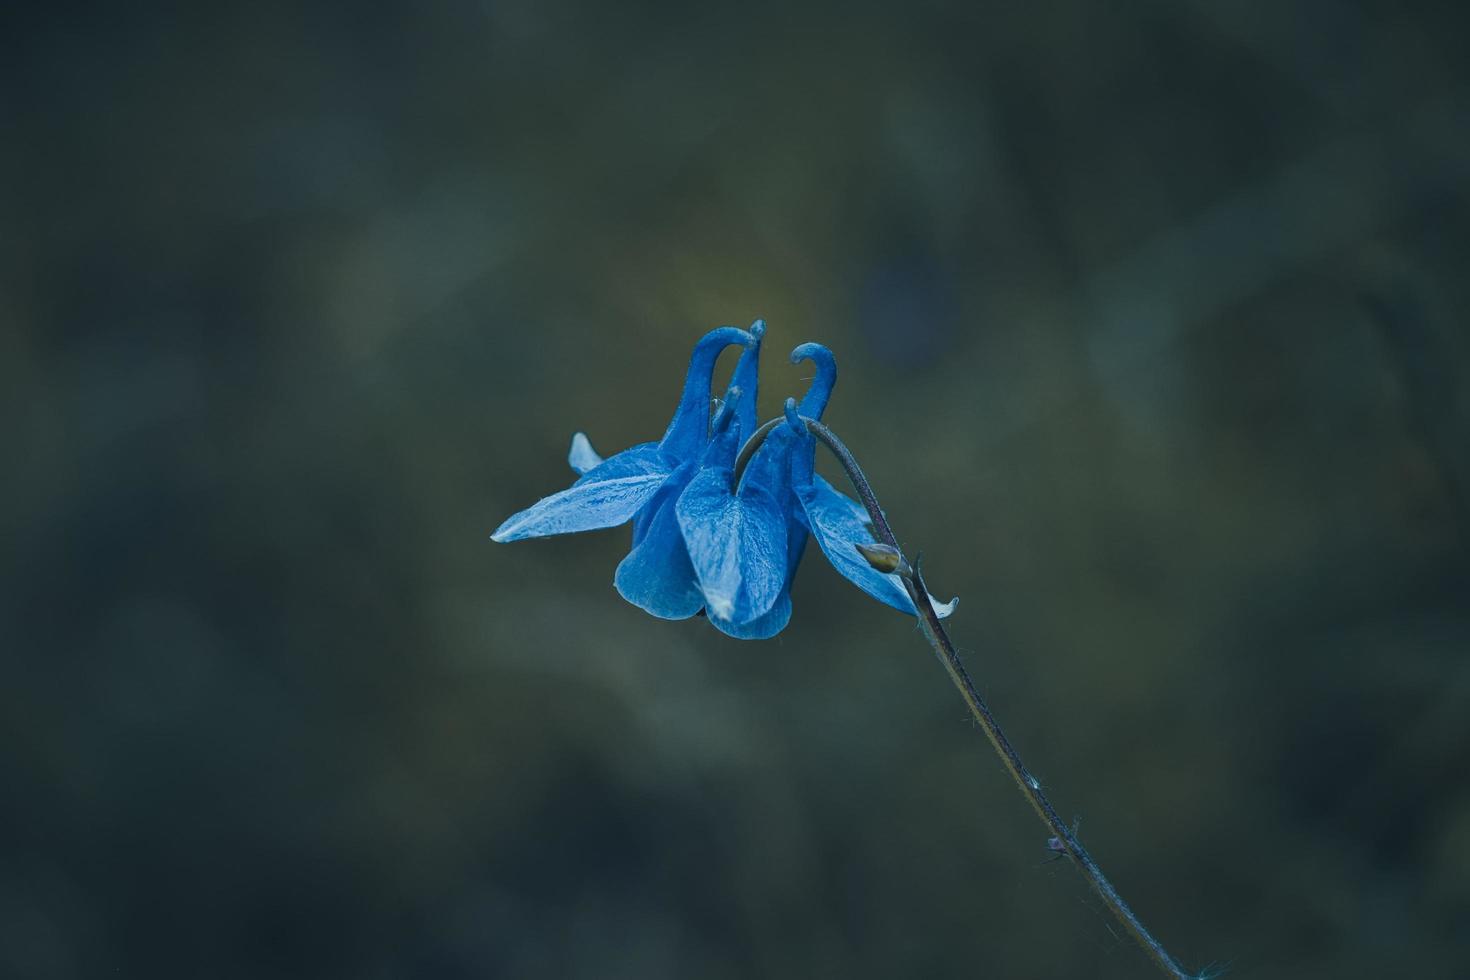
column 688, row 431
column 814, row 402
column 839, row 524
column 831, row 493
column 762, row 627
column 838, row 529
column 944, row 609
column 656, row 576
column 582, row 456
column 737, row 545
column 606, row 496
column 746, row 378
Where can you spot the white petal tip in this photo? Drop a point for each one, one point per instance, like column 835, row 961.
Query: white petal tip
column 944, row 609
column 720, row 606
column 582, row 457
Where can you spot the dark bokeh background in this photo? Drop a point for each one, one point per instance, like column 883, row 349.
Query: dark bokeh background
column 1152, row 323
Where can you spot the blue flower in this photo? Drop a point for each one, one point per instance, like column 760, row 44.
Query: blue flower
column 746, row 542
column 700, row 540
column 642, row 484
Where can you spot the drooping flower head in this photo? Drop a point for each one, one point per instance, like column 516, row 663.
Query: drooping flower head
column 704, row 536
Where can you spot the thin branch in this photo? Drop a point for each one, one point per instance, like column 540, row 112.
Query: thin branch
column 944, row 648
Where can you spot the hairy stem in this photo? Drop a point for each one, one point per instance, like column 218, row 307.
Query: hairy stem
column 944, row 648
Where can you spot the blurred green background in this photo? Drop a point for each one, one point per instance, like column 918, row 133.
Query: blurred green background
column 1152, row 327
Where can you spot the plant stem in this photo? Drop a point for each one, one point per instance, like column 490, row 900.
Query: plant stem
column 944, row 648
